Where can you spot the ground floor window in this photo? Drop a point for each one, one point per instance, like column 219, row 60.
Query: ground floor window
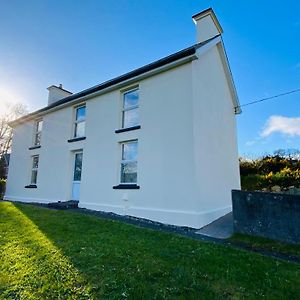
column 129, row 162
column 78, row 166
column 76, row 182
column 34, row 169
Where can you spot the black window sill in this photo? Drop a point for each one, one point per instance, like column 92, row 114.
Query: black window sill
column 126, row 187
column 30, row 186
column 127, row 129
column 34, row 147
column 77, row 139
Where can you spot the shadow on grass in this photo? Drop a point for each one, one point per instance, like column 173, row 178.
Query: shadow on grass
column 115, row 260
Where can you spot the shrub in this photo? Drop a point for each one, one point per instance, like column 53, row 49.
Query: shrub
column 279, row 169
column 247, row 167
column 271, row 164
column 2, row 187
column 284, row 178
column 253, row 182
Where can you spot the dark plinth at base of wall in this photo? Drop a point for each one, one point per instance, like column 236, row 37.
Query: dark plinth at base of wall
column 269, row 215
column 64, row 204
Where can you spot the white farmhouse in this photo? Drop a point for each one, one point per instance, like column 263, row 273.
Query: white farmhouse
column 158, row 142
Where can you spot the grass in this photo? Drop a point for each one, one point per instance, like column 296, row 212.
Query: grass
column 266, row 244
column 49, row 254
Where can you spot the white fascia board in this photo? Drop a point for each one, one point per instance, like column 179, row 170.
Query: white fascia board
column 235, row 98
column 220, row 45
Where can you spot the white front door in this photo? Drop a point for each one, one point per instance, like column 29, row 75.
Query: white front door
column 77, row 175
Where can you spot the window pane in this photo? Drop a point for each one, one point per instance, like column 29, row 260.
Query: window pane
column 131, row 98
column 78, row 167
column 80, row 129
column 129, row 151
column 80, row 113
column 35, row 162
column 130, row 118
column 39, row 126
column 37, row 139
column 34, row 176
column 129, row 172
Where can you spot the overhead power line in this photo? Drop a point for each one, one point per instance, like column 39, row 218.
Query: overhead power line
column 269, row 98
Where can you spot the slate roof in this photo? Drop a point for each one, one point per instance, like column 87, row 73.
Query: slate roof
column 152, row 66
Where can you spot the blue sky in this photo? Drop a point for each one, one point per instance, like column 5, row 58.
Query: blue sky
column 82, row 43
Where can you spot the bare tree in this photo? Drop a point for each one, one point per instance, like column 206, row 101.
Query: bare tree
column 290, row 153
column 12, row 112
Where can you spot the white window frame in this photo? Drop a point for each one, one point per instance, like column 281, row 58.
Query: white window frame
column 136, row 88
column 122, row 161
column 33, row 169
column 76, row 122
column 74, row 162
column 37, row 132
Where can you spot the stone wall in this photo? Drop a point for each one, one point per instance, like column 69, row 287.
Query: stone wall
column 270, row 215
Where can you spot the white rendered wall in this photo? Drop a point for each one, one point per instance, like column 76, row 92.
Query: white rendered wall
column 187, row 156
column 205, row 29
column 165, row 164
column 215, row 138
column 54, row 172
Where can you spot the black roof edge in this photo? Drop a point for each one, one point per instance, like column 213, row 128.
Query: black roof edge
column 149, row 67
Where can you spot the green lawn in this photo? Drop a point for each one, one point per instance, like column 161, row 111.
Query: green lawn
column 266, row 244
column 48, row 254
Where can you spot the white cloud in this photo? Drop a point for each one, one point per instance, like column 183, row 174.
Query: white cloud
column 280, row 124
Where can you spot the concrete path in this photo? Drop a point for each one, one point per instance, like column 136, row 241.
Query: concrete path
column 222, row 228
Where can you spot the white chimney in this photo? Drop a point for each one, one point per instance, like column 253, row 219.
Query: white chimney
column 207, row 25
column 57, row 93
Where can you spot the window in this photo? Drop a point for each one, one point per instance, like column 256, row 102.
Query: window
column 34, row 170
column 129, row 162
column 77, row 167
column 38, row 132
column 79, row 129
column 130, row 116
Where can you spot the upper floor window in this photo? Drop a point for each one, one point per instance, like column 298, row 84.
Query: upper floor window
column 38, row 132
column 79, row 129
column 130, row 113
column 34, row 169
column 129, row 162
